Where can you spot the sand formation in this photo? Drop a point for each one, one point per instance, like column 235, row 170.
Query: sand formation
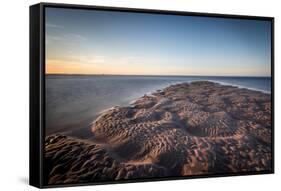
column 185, row 129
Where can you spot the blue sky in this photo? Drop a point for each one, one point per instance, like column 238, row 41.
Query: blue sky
column 103, row 42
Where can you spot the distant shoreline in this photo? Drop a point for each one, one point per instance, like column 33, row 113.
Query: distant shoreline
column 240, row 86
column 156, row 75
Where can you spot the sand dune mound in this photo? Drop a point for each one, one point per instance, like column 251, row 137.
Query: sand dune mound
column 72, row 160
column 186, row 129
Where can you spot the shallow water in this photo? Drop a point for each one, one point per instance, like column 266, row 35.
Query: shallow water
column 74, row 101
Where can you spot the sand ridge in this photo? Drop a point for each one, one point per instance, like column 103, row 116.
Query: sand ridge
column 184, row 129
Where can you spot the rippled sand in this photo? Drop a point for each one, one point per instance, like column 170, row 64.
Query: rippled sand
column 185, row 129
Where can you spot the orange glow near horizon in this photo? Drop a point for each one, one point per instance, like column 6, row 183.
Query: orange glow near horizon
column 76, row 67
column 62, row 67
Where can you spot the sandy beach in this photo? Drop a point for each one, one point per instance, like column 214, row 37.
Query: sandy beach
column 185, row 129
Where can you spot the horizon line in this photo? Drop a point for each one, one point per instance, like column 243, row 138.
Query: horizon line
column 69, row 74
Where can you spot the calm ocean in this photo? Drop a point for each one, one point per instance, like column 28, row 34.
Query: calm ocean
column 74, row 101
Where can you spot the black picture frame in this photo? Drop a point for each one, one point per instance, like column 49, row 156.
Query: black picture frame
column 37, row 90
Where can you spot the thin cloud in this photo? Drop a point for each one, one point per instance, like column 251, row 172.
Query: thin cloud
column 66, row 38
column 50, row 25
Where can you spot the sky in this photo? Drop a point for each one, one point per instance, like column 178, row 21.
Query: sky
column 106, row 42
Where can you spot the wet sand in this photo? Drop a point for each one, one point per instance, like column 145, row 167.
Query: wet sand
column 185, row 129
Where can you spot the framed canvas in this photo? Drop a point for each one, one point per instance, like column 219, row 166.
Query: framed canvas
column 128, row 95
